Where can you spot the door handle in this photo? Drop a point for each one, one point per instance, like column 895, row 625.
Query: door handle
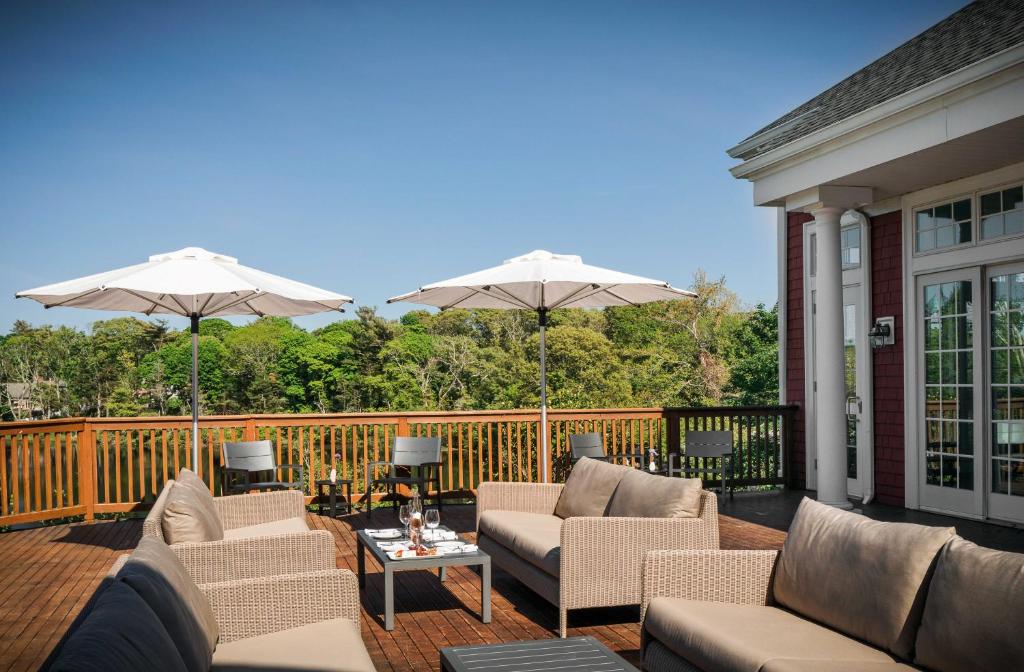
column 854, row 406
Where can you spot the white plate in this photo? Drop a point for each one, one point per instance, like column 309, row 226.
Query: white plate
column 385, row 534
column 410, row 556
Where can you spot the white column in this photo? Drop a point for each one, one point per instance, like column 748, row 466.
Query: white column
column 828, row 342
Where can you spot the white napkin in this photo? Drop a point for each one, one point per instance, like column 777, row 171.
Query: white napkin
column 455, row 550
column 439, row 535
column 385, row 532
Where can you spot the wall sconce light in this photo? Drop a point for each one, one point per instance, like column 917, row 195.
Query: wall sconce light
column 883, row 333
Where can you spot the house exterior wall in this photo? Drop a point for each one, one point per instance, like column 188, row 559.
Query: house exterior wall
column 887, row 363
column 794, row 345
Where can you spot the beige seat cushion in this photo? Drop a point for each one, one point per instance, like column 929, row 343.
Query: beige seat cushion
column 121, row 634
column 156, row 574
column 283, row 526
column 189, row 516
column 589, row 488
column 821, row 665
column 720, row 637
column 862, row 577
column 534, row 537
column 334, row 646
column 641, row 495
column 974, row 616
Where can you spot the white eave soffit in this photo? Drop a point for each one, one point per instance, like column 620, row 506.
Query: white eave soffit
column 936, row 88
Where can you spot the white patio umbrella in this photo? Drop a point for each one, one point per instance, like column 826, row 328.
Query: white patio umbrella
column 542, row 281
column 193, row 283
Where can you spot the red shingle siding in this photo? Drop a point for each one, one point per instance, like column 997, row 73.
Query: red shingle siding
column 794, row 345
column 887, row 363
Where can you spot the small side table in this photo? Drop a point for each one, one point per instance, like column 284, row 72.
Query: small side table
column 326, row 488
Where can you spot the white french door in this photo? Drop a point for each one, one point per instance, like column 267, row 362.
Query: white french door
column 856, row 377
column 949, row 392
column 1004, row 312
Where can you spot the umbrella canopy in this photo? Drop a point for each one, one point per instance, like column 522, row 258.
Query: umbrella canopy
column 194, row 283
column 543, row 281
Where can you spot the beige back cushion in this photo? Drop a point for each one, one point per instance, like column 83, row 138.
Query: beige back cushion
column 190, row 514
column 156, row 574
column 641, row 495
column 974, row 614
column 588, row 488
column 864, row 578
column 120, row 634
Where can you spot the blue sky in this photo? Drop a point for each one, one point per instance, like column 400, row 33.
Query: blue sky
column 371, row 147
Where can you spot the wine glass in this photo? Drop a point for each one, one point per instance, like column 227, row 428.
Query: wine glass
column 432, row 518
column 405, row 515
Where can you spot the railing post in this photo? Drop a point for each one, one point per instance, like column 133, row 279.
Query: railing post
column 87, row 489
column 788, row 415
column 672, row 439
column 250, row 429
column 403, row 426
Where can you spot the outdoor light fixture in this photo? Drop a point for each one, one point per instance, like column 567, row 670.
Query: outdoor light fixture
column 883, row 333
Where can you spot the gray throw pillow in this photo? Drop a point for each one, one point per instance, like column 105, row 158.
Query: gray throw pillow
column 641, row 495
column 589, row 487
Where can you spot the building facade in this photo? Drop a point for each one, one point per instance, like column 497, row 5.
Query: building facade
column 900, row 199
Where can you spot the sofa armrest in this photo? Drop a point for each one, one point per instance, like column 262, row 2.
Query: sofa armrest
column 265, row 507
column 253, row 607
column 253, row 557
column 152, row 526
column 739, row 577
column 525, row 497
column 602, row 558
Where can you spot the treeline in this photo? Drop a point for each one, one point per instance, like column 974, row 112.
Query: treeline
column 706, row 351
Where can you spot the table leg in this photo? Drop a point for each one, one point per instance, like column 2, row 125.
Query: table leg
column 361, row 562
column 485, row 592
column 348, row 498
column 389, row 598
column 334, row 501
column 442, row 574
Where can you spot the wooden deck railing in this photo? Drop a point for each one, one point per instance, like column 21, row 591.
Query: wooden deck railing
column 84, row 466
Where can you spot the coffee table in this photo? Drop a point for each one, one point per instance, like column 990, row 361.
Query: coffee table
column 581, row 653
column 439, row 562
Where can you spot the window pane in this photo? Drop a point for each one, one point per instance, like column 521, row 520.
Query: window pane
column 932, row 368
column 966, row 438
column 1000, row 292
column 1016, row 328
column 965, row 403
column 1015, row 404
column 990, row 204
column 924, row 220
column 813, row 244
column 1001, row 477
column 965, row 231
column 999, row 330
column 966, row 469
column 1015, row 360
column 965, row 370
column 931, row 299
column 1013, row 199
column 945, row 236
column 1000, row 370
column 944, row 215
column 1017, row 291
column 1013, row 222
column 962, row 210
column 925, row 241
column 992, row 227
column 949, row 333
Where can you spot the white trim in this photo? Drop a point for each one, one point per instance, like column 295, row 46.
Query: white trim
column 905, row 101
column 810, row 431
column 782, row 258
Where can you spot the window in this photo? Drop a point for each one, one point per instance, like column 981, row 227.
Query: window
column 946, row 225
column 1007, row 381
column 1002, row 213
column 850, row 245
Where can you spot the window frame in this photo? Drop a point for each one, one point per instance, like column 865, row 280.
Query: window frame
column 998, row 190
column 975, row 199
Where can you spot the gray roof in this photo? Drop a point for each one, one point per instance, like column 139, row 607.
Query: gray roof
column 973, row 33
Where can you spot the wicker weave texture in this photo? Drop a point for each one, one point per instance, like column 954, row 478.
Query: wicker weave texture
column 265, row 507
column 738, row 577
column 602, row 559
column 254, row 607
column 525, row 497
column 254, row 557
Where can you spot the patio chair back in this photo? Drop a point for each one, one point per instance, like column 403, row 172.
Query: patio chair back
column 412, row 451
column 252, row 456
column 590, row 444
column 708, row 444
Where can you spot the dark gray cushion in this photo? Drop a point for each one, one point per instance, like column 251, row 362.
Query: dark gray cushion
column 121, row 634
column 589, row 487
column 156, row 574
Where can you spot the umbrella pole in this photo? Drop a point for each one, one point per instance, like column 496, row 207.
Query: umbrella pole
column 195, row 394
column 543, row 319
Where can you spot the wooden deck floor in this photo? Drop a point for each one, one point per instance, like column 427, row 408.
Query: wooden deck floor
column 48, row 574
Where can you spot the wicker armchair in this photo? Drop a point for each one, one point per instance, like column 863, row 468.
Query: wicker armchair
column 600, row 559
column 238, row 512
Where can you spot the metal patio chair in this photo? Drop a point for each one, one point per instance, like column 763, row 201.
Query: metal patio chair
column 415, row 461
column 591, row 445
column 250, row 465
column 706, row 446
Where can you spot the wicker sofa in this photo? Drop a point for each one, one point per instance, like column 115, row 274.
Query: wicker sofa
column 845, row 594
column 577, row 562
column 186, row 511
column 149, row 614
